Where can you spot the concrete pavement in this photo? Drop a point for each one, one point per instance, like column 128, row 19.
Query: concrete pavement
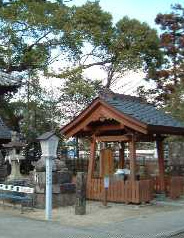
column 159, row 224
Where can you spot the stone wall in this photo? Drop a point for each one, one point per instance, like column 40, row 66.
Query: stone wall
column 59, row 198
column 176, row 152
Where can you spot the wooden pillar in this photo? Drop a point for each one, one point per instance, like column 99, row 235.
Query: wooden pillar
column 92, row 158
column 77, row 147
column 102, row 147
column 122, row 156
column 160, row 152
column 132, row 148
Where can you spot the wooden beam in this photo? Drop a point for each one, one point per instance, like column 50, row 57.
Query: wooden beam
column 167, row 130
column 103, row 128
column 113, row 138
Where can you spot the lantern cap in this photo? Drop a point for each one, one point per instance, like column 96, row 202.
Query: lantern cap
column 46, row 135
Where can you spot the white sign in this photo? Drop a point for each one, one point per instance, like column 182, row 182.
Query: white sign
column 106, row 181
column 21, row 189
column 27, row 190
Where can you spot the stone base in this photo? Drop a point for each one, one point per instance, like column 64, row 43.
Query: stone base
column 40, row 200
column 67, row 199
column 160, row 196
column 80, row 209
column 58, row 177
column 57, row 200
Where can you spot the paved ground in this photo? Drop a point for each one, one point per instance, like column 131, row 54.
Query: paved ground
column 158, row 220
column 178, row 236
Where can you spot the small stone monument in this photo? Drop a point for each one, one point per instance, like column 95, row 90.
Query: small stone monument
column 14, row 156
column 80, row 205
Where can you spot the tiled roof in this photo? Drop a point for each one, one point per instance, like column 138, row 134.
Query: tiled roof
column 142, row 111
column 4, row 131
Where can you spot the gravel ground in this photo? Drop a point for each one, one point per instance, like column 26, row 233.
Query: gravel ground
column 96, row 213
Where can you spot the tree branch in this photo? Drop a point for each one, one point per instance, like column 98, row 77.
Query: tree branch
column 95, row 64
column 37, row 41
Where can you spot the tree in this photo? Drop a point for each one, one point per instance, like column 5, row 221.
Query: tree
column 38, row 108
column 130, row 45
column 31, row 30
column 76, row 93
column 135, row 47
column 170, row 75
column 175, row 103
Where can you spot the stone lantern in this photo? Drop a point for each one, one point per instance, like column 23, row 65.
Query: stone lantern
column 49, row 143
column 14, row 156
column 58, row 175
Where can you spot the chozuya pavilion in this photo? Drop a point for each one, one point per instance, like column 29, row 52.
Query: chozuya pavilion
column 120, row 118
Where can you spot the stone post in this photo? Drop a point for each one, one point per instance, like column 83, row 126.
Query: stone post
column 80, row 204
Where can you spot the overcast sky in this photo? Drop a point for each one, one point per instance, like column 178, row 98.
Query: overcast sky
column 144, row 10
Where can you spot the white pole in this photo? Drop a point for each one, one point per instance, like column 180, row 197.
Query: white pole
column 48, row 206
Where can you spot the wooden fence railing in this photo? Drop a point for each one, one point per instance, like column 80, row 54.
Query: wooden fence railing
column 120, row 190
column 174, row 186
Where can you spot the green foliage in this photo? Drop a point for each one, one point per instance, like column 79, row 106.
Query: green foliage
column 34, row 112
column 76, row 94
column 33, row 31
column 135, row 46
column 176, row 103
column 130, row 45
column 7, row 112
column 25, row 26
column 172, row 43
column 30, row 30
